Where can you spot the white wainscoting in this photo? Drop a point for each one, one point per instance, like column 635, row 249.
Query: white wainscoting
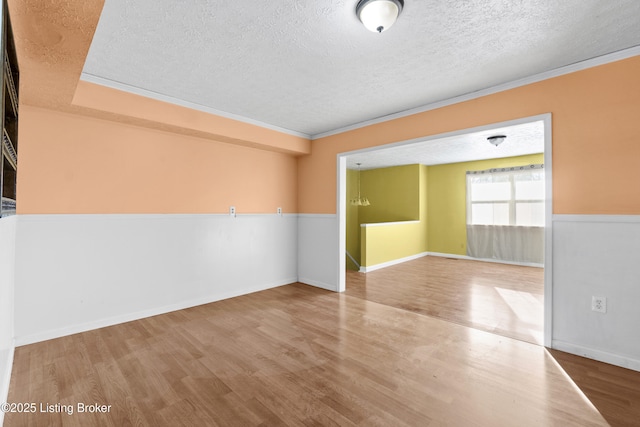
column 318, row 257
column 597, row 255
column 80, row 272
column 7, row 252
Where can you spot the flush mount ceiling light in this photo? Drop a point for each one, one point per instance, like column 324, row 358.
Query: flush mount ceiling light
column 496, row 139
column 379, row 15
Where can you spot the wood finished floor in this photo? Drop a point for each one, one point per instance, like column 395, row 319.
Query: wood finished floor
column 300, row 356
column 504, row 299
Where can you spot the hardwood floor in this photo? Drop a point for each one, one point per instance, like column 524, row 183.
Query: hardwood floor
column 614, row 391
column 301, row 356
column 504, row 299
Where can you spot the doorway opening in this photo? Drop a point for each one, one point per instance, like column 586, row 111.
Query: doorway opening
column 525, row 137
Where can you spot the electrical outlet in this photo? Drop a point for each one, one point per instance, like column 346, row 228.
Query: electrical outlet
column 279, row 211
column 232, row 210
column 599, row 304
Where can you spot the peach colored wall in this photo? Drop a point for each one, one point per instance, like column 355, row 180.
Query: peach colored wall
column 76, row 164
column 223, row 129
column 596, row 138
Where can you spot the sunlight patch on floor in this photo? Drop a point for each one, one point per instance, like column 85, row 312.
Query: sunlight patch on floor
column 569, row 380
column 525, row 306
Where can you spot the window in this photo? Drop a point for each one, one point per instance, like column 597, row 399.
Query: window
column 507, row 196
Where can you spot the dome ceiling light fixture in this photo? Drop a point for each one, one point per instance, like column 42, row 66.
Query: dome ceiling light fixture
column 379, row 15
column 496, row 139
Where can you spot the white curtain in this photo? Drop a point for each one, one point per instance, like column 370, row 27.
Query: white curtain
column 505, row 214
column 506, row 243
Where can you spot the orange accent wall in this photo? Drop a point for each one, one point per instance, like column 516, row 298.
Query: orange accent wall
column 595, row 127
column 76, row 164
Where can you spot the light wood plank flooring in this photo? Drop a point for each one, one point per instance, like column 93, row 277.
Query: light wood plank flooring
column 301, row 356
column 503, row 299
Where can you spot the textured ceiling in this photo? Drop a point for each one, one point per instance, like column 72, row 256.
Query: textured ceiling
column 527, row 138
column 311, row 67
column 52, row 39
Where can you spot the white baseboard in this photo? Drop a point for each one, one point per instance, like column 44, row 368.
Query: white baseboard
column 497, row 261
column 602, row 356
column 367, row 269
column 4, row 387
column 61, row 332
column 317, row 284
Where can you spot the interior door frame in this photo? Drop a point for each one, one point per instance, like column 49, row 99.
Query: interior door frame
column 548, row 243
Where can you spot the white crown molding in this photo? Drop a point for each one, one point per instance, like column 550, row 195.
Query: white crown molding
column 568, row 69
column 176, row 101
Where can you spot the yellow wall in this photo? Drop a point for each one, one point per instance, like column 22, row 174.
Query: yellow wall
column 436, row 193
column 392, row 242
column 588, row 107
column 447, row 209
column 394, row 194
column 390, row 190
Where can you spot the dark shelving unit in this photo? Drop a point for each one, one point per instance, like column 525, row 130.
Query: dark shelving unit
column 10, row 82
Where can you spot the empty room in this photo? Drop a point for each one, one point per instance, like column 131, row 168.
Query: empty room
column 205, row 220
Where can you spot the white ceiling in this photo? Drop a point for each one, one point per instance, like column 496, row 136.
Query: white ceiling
column 527, row 138
column 310, row 67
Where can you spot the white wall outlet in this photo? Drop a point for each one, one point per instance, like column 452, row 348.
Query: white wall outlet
column 599, row 304
column 232, row 210
column 279, row 211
